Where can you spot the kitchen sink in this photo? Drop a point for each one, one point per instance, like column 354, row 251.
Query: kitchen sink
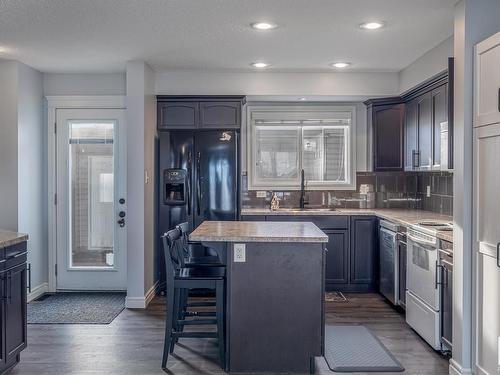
column 306, row 209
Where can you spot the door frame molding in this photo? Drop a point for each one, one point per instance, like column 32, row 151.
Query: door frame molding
column 53, row 103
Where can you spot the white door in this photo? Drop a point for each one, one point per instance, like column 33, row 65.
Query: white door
column 90, row 187
column 487, row 240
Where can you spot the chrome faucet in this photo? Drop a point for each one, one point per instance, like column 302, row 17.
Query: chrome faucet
column 303, row 200
column 275, row 202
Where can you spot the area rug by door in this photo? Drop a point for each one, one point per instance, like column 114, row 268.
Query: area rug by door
column 76, row 308
column 357, row 349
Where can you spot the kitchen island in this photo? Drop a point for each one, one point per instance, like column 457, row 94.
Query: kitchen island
column 275, row 292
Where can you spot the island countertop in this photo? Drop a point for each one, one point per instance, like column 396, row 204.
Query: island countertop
column 258, row 231
column 8, row 238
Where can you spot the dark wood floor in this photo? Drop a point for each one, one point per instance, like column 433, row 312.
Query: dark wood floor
column 132, row 344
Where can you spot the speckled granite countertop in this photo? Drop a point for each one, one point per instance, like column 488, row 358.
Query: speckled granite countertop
column 8, row 238
column 257, row 231
column 404, row 217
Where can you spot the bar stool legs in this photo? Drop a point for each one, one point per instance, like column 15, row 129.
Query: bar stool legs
column 169, row 324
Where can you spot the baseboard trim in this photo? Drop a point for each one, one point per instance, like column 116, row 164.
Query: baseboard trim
column 38, row 291
column 456, row 369
column 151, row 293
column 142, row 302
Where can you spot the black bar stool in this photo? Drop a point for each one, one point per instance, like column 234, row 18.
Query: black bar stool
column 194, row 261
column 185, row 278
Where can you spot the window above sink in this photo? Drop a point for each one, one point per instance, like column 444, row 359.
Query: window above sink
column 284, row 140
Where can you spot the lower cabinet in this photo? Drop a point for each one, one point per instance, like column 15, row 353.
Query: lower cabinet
column 337, row 257
column 13, row 305
column 352, row 257
column 363, row 246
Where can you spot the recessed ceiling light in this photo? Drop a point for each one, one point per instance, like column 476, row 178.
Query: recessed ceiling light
column 372, row 25
column 303, row 99
column 3, row 49
column 260, row 65
column 263, row 25
column 341, row 65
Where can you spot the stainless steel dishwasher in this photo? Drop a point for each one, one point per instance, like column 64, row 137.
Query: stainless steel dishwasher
column 389, row 261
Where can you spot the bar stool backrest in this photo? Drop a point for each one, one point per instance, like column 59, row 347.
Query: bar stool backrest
column 184, row 228
column 172, row 249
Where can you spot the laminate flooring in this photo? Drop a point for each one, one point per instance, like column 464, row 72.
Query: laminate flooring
column 132, row 343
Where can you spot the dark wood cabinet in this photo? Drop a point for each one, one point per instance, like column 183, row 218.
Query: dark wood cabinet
column 199, row 112
column 387, row 124
column 424, row 124
column 363, row 250
column 220, row 115
column 411, row 136
column 337, row 257
column 13, row 305
column 439, row 115
column 178, row 115
column 352, row 249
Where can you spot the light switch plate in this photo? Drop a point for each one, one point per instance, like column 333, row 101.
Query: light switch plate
column 239, row 253
column 261, row 194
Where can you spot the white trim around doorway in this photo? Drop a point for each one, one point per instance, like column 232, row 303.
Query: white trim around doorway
column 53, row 103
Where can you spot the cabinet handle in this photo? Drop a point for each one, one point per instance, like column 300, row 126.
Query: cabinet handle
column 9, row 286
column 498, row 254
column 29, row 278
column 415, row 158
column 499, row 99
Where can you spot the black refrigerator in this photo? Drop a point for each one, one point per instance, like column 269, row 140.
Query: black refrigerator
column 199, row 180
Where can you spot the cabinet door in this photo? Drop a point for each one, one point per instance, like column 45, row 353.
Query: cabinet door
column 220, row 115
column 362, row 249
column 487, row 90
column 178, row 115
column 388, row 123
column 411, row 136
column 15, row 311
column 3, row 295
column 486, row 228
column 424, row 118
column 488, row 311
column 337, row 257
column 439, row 115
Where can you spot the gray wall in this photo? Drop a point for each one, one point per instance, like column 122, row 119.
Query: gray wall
column 32, row 166
column 428, row 65
column 8, row 145
column 84, row 84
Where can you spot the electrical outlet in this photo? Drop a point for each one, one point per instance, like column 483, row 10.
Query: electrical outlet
column 239, row 253
column 261, row 194
column 428, row 191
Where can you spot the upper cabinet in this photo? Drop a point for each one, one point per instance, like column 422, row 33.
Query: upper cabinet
column 177, row 113
column 220, row 115
column 181, row 115
column 388, row 128
column 487, row 82
column 414, row 132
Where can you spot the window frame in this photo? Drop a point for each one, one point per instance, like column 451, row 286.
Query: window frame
column 295, row 111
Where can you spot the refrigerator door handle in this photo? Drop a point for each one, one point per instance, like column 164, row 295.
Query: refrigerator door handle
column 198, row 184
column 189, row 184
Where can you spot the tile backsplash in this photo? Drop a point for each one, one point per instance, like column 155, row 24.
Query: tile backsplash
column 390, row 190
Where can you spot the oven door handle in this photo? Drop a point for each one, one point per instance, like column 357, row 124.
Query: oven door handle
column 420, row 241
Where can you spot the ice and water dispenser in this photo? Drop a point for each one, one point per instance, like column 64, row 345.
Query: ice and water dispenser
column 175, row 186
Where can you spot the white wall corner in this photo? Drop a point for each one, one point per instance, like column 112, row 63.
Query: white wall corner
column 142, row 302
column 456, row 369
column 38, row 291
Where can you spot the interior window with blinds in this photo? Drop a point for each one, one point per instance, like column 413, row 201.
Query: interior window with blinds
column 285, row 142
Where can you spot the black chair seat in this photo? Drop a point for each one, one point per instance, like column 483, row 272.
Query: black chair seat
column 212, row 273
column 209, row 261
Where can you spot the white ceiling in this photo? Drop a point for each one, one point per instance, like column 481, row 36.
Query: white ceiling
column 101, row 35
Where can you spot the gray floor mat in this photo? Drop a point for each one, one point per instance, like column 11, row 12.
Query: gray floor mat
column 76, row 308
column 357, row 349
